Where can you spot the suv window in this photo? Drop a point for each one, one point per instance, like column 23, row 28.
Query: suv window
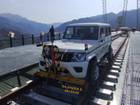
column 82, row 32
column 102, row 31
column 105, row 31
column 108, row 32
column 70, row 32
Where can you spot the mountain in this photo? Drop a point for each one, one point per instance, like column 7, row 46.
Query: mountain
column 131, row 18
column 20, row 24
column 56, row 24
column 98, row 18
column 112, row 19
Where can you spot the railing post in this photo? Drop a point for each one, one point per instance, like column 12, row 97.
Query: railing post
column 59, row 36
column 22, row 36
column 11, row 42
column 48, row 37
column 18, row 79
column 41, row 38
column 33, row 39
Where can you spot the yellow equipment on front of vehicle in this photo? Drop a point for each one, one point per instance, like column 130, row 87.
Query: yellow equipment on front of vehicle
column 68, row 79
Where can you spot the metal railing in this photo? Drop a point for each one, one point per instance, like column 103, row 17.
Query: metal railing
column 24, row 39
column 17, row 41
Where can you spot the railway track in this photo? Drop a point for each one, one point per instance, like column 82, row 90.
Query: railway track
column 112, row 82
column 103, row 93
column 13, row 81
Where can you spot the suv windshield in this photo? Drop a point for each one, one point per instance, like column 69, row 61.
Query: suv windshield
column 81, row 32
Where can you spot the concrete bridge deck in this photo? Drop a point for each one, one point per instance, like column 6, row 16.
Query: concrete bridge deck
column 18, row 57
column 15, row 58
column 131, row 90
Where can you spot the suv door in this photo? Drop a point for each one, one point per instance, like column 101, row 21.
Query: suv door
column 102, row 41
column 108, row 38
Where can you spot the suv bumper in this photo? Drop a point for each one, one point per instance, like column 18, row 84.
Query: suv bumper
column 76, row 69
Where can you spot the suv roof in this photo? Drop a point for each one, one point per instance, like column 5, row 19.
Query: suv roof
column 89, row 24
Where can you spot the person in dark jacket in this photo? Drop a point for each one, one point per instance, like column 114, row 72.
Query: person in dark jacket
column 51, row 31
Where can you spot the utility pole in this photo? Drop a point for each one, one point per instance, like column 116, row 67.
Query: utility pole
column 104, row 11
column 138, row 3
column 119, row 21
column 124, row 12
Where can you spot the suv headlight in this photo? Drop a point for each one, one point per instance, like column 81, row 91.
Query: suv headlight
column 79, row 57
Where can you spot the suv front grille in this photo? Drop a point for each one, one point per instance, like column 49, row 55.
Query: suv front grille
column 62, row 56
column 65, row 56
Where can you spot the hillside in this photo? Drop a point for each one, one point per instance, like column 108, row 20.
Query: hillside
column 18, row 24
column 112, row 19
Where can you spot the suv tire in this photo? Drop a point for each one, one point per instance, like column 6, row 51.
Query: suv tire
column 93, row 72
column 110, row 56
column 92, row 77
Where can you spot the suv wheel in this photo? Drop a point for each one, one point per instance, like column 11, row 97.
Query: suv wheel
column 92, row 78
column 93, row 70
column 110, row 56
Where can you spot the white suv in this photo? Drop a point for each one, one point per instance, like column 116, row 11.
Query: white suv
column 81, row 49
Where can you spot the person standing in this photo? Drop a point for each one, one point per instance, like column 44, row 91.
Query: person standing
column 51, row 32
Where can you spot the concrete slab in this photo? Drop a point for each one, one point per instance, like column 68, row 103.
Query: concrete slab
column 119, row 86
column 15, row 58
column 131, row 90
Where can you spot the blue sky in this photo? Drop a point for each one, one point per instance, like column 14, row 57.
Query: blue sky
column 51, row 11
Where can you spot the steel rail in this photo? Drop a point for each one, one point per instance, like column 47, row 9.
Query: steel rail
column 20, row 71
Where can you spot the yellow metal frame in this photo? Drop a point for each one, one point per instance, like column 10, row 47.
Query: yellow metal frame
column 68, row 79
